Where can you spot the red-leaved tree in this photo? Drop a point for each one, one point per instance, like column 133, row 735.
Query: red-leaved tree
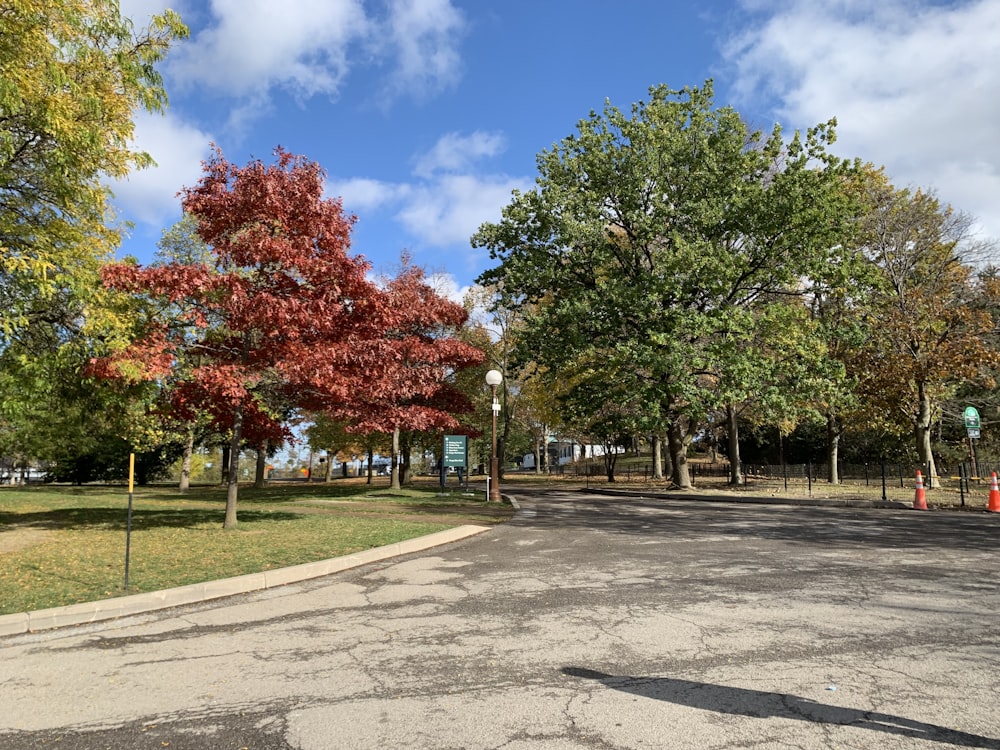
column 412, row 365
column 282, row 315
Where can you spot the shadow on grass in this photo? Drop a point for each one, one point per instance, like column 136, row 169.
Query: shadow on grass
column 277, row 492
column 272, row 494
column 113, row 519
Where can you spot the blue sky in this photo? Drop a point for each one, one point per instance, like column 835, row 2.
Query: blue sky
column 427, row 113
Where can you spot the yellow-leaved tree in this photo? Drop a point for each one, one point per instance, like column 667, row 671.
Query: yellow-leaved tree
column 929, row 318
column 73, row 73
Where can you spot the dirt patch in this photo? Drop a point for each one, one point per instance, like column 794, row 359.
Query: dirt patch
column 13, row 540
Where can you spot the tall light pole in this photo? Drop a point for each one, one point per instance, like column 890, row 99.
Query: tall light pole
column 493, row 379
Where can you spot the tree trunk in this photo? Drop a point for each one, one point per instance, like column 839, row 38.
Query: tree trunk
column 185, row 483
column 224, row 469
column 371, row 469
column 678, row 438
column 733, row 434
column 395, row 461
column 833, row 431
column 538, row 455
column 501, row 449
column 504, row 435
column 233, row 479
column 260, row 470
column 610, row 459
column 405, row 476
column 328, row 473
column 657, row 445
column 922, row 431
column 668, row 464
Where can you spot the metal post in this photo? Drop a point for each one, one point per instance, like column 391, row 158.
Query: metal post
column 128, row 523
column 494, row 494
column 883, row 481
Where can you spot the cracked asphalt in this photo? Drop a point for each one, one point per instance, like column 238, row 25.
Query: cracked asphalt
column 586, row 622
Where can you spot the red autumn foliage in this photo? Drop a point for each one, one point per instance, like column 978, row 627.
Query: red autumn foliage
column 411, row 362
column 286, row 315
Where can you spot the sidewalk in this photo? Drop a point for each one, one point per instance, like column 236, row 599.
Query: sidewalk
column 122, row 606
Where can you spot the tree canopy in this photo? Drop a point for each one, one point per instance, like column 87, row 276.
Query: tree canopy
column 72, row 76
column 930, row 324
column 283, row 316
column 651, row 242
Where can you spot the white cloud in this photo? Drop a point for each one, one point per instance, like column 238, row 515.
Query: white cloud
column 362, row 194
column 150, row 195
column 914, row 86
column 455, row 152
column 449, row 210
column 141, row 11
column 446, row 285
column 248, row 48
column 421, row 35
column 448, row 199
column 451, row 200
column 254, row 45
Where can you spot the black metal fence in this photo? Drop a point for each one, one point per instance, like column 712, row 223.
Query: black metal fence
column 890, row 480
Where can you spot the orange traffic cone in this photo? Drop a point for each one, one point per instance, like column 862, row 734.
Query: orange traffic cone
column 994, row 505
column 919, row 499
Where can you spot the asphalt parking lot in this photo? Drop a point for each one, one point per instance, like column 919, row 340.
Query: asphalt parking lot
column 587, row 622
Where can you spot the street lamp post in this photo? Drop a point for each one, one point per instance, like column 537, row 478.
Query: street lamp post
column 493, row 379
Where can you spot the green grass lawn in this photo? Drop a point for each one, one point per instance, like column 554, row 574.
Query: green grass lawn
column 65, row 545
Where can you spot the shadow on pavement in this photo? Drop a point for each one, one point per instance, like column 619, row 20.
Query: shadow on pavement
column 761, row 705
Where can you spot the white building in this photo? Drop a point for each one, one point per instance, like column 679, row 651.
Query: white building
column 562, row 452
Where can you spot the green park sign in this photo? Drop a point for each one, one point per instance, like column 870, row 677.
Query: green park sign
column 971, row 417
column 456, row 451
column 972, row 423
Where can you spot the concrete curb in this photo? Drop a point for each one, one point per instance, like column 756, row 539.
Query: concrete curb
column 122, row 606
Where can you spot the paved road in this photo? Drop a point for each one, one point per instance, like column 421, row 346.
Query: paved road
column 587, row 622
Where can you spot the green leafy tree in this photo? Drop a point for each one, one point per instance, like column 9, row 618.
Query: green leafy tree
column 776, row 375
column 649, row 238
column 498, row 330
column 181, row 244
column 331, row 436
column 539, row 409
